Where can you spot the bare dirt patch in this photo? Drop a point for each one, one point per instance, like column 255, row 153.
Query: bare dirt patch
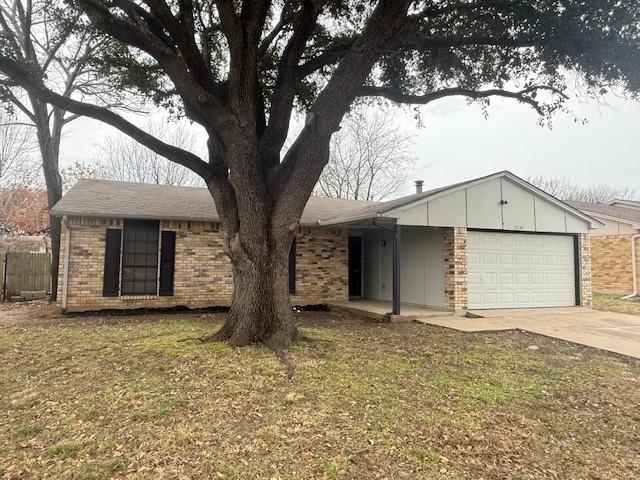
column 100, row 397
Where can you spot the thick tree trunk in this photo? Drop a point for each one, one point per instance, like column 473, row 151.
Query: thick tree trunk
column 260, row 309
column 49, row 128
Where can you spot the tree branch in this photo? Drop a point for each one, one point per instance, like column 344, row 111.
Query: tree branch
column 135, row 30
column 525, row 96
column 22, row 77
column 182, row 33
column 285, row 17
column 285, row 86
column 335, row 52
column 293, row 180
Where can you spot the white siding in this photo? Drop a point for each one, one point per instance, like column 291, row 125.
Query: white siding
column 613, row 227
column 421, row 267
column 575, row 225
column 413, row 215
column 495, row 204
column 378, row 258
column 483, row 205
column 448, row 210
column 519, row 211
column 549, row 218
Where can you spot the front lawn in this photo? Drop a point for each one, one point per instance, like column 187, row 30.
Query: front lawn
column 613, row 303
column 138, row 397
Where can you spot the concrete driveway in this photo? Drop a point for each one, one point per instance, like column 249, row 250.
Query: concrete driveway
column 616, row 332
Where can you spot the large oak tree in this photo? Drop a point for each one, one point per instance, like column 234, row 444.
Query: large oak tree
column 239, row 69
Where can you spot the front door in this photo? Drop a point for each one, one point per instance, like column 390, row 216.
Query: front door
column 355, row 266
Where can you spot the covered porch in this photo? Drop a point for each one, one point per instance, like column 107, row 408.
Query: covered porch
column 398, row 269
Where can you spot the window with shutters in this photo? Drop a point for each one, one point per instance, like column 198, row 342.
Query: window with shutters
column 139, row 260
column 140, row 257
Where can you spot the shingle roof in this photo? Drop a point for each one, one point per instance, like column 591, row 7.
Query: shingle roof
column 622, row 213
column 625, row 203
column 104, row 198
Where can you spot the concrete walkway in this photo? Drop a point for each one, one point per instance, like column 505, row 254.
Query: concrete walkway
column 378, row 308
column 616, row 332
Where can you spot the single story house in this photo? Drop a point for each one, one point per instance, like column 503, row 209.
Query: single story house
column 490, row 242
column 615, row 248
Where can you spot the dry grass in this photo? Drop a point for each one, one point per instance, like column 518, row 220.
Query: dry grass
column 613, row 303
column 136, row 397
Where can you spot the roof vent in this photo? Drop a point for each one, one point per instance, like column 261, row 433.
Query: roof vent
column 419, row 184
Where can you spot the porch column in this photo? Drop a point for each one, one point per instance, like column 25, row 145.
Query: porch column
column 396, row 270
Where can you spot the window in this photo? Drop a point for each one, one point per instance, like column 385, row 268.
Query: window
column 137, row 246
column 140, row 257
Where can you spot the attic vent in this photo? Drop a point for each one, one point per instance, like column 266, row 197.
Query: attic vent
column 419, row 184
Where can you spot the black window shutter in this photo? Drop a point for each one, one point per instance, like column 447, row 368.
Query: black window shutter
column 167, row 263
column 112, row 263
column 292, row 268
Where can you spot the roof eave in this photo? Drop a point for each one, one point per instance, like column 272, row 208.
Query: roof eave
column 615, row 218
column 347, row 220
column 61, row 213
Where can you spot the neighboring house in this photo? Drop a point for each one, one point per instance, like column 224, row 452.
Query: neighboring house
column 615, row 247
column 491, row 242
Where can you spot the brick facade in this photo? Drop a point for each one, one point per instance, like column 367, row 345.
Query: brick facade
column 584, row 262
column 202, row 270
column 611, row 263
column 455, row 269
column 321, row 265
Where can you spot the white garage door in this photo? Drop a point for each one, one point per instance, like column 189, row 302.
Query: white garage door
column 516, row 270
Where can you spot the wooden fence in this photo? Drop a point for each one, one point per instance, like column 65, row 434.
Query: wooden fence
column 24, row 271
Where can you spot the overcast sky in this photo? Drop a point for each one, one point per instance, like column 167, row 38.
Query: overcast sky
column 458, row 143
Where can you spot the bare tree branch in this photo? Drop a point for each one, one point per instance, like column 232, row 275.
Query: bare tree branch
column 124, row 159
column 566, row 189
column 369, row 159
column 178, row 155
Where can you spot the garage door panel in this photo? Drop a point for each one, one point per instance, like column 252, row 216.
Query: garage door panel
column 513, row 270
column 506, row 259
column 505, row 278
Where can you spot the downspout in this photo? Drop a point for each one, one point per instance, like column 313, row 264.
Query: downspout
column 634, row 268
column 67, row 247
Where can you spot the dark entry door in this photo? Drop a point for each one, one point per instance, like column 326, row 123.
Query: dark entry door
column 355, row 266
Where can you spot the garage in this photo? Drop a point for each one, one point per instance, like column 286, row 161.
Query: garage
column 518, row 270
column 488, row 243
